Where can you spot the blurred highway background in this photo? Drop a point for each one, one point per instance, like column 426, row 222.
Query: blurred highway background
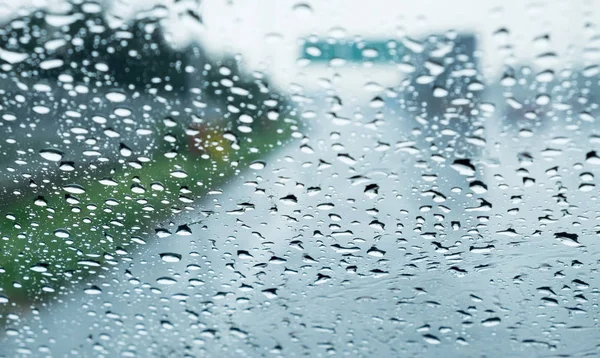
column 386, row 180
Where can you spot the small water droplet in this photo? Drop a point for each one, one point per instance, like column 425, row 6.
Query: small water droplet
column 92, row 290
column 170, row 257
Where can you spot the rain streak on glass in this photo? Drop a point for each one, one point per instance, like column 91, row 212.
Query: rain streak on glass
column 303, row 178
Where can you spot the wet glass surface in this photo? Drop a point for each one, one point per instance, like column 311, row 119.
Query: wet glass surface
column 299, row 179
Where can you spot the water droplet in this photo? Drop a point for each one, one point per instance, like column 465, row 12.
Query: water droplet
column 568, row 239
column 431, row 339
column 289, row 199
column 170, row 257
column 270, row 293
column 592, row 158
column 92, row 290
column 116, row 97
column 61, row 233
column 52, row 155
column 257, row 165
column 183, row 230
column 40, row 268
column 74, row 189
column 491, row 322
column 166, row 281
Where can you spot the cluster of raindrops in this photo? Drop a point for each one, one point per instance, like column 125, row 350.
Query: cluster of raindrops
column 187, row 208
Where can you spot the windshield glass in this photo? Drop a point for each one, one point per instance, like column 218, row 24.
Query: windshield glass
column 280, row 178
